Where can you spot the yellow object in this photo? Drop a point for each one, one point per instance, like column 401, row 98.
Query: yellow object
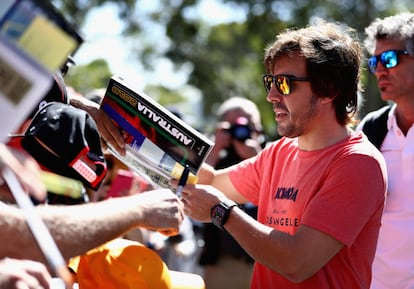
column 128, row 264
column 62, row 185
column 177, row 171
column 47, row 43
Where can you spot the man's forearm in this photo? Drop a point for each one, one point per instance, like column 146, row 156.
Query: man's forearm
column 206, row 174
column 75, row 229
column 83, row 103
column 79, row 228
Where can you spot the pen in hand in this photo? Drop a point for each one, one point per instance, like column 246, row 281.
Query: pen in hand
column 182, row 181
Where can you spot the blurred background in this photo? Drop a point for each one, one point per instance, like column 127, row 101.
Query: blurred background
column 194, row 54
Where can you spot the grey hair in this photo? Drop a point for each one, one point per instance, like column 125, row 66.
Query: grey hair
column 399, row 26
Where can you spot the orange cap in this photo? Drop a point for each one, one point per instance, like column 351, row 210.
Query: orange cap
column 121, row 264
column 128, row 264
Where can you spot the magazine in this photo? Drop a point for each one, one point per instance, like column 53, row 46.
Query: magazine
column 159, row 145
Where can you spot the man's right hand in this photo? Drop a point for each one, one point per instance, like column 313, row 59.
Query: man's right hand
column 163, row 211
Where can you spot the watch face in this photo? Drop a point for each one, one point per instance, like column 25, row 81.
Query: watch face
column 219, row 213
column 218, row 216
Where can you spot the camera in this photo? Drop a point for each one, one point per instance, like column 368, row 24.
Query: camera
column 240, row 132
column 240, row 129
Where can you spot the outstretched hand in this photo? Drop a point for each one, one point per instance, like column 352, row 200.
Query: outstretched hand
column 108, row 131
column 163, row 211
column 199, row 199
column 106, row 128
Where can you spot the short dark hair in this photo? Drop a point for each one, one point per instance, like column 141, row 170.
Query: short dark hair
column 333, row 62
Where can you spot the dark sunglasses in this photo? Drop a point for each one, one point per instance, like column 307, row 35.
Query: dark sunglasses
column 282, row 82
column 389, row 59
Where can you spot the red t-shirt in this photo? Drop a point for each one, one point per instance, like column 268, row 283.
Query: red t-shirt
column 338, row 190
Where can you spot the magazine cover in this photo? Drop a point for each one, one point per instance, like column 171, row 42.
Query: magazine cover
column 159, row 144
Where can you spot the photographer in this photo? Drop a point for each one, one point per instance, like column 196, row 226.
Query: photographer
column 238, row 133
column 238, row 136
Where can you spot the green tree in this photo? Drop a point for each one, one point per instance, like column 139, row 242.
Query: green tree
column 226, row 59
column 85, row 78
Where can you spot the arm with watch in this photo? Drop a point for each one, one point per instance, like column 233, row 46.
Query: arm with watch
column 296, row 257
column 219, row 213
column 205, row 203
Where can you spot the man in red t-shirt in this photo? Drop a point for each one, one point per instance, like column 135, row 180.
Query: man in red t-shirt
column 320, row 189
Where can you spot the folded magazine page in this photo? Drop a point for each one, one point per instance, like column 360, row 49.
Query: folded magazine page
column 159, row 144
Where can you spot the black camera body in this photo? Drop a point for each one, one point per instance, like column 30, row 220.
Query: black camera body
column 240, row 132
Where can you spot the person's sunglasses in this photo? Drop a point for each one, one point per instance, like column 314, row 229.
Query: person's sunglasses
column 283, row 82
column 389, row 59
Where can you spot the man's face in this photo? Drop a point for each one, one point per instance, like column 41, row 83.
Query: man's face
column 396, row 83
column 293, row 112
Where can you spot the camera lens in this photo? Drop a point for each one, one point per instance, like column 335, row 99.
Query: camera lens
column 240, row 132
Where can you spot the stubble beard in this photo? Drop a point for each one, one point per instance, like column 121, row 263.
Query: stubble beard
column 297, row 122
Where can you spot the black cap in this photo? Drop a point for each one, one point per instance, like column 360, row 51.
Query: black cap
column 65, row 140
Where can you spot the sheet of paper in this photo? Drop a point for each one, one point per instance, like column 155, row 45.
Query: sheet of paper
column 40, row 30
column 47, row 43
column 23, row 82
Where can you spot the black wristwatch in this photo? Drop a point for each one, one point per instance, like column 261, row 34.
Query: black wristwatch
column 220, row 213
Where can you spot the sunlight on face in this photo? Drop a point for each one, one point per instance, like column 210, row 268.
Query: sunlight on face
column 299, row 119
column 294, row 112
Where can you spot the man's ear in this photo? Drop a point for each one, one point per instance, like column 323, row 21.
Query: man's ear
column 327, row 99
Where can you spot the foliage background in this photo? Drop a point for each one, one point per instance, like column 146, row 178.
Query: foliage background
column 225, row 59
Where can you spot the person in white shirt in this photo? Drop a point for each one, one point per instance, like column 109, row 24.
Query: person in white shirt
column 390, row 41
